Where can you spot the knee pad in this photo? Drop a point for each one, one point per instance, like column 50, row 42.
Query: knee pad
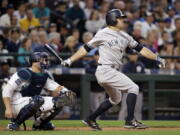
column 30, row 109
column 134, row 89
column 37, row 101
column 116, row 100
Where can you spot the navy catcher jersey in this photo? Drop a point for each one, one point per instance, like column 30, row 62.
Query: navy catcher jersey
column 36, row 82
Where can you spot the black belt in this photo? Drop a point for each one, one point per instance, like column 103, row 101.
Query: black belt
column 112, row 66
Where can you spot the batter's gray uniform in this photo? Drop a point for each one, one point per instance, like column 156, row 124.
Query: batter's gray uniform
column 112, row 45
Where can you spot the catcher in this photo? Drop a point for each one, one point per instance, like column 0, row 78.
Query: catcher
column 22, row 99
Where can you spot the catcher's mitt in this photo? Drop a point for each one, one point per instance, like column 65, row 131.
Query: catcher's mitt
column 67, row 98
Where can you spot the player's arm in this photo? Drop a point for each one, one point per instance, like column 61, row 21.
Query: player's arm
column 54, row 87
column 7, row 93
column 83, row 51
column 149, row 54
column 78, row 55
column 58, row 90
column 145, row 51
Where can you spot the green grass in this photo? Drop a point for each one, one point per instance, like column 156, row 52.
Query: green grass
column 75, row 123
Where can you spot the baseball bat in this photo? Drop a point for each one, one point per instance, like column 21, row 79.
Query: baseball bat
column 53, row 52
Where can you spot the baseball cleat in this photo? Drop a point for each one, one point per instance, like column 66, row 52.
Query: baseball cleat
column 13, row 126
column 46, row 126
column 92, row 123
column 134, row 124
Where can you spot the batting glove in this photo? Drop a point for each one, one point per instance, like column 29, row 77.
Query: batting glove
column 161, row 61
column 67, row 63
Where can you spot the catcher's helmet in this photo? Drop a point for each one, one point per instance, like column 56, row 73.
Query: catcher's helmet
column 37, row 56
column 113, row 15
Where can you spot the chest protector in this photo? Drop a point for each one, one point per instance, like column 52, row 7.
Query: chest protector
column 35, row 82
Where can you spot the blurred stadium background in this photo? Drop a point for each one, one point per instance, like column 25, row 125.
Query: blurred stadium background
column 26, row 25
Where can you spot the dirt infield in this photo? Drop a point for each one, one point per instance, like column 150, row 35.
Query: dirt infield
column 108, row 129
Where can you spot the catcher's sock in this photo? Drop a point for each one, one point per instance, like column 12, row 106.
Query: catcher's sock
column 131, row 102
column 101, row 109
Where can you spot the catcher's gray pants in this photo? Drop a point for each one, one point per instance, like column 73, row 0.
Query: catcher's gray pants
column 114, row 82
column 138, row 107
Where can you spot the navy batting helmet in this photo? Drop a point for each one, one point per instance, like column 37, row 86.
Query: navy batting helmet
column 113, row 15
column 37, row 56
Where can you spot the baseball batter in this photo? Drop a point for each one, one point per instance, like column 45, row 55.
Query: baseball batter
column 22, row 97
column 112, row 42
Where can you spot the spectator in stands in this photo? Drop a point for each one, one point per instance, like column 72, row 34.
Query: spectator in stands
column 152, row 38
column 177, row 25
column 161, row 26
column 147, row 25
column 34, row 39
column 171, row 11
column 129, row 5
column 137, row 31
column 43, row 39
column 58, row 16
column 14, row 22
column 103, row 9
column 133, row 66
column 87, row 36
column 3, row 50
column 177, row 6
column 41, row 28
column 13, row 43
column 143, row 11
column 4, row 70
column 64, row 32
column 55, row 41
column 42, row 13
column 75, row 13
column 52, row 27
column 159, row 11
column 4, row 35
column 165, row 37
column 168, row 50
column 70, row 45
column 177, row 49
column 119, row 4
column 21, row 12
column 28, row 22
column 24, row 48
column 5, row 19
column 3, row 7
column 76, row 35
column 94, row 23
column 97, row 95
column 168, row 27
column 88, row 8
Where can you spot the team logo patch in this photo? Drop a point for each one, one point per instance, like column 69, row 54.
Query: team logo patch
column 18, row 81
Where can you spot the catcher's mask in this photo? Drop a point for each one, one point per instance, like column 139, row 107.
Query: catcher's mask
column 41, row 57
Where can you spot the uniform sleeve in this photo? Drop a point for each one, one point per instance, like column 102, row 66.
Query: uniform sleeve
column 13, row 84
column 95, row 42
column 131, row 42
column 51, row 85
column 24, row 74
